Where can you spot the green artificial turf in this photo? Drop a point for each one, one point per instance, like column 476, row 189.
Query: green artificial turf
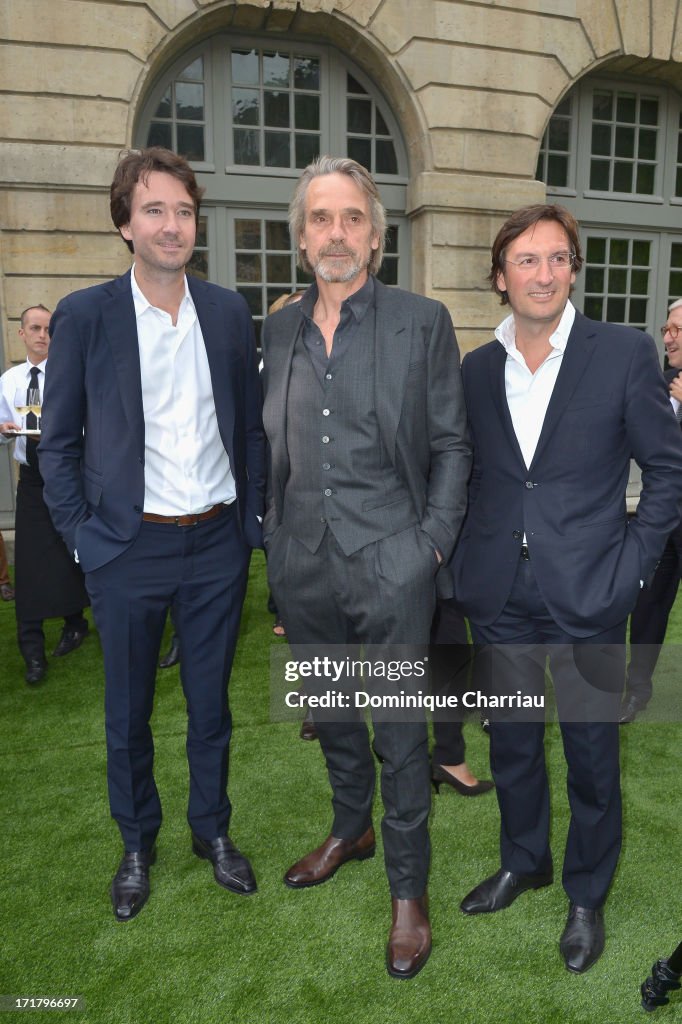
column 198, row 953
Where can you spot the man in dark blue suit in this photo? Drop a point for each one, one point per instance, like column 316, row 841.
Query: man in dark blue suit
column 152, row 455
column 548, row 567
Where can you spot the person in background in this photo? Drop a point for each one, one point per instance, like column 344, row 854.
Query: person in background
column 6, row 588
column 47, row 582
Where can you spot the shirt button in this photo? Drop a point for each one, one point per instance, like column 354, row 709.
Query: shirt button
column 325, row 412
column 327, row 376
column 529, row 485
column 328, row 492
column 322, row 519
column 326, row 465
column 325, row 439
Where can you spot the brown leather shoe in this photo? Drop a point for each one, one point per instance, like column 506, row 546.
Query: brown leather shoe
column 320, row 865
column 409, row 941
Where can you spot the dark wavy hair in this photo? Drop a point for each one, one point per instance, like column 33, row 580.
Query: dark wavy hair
column 519, row 222
column 136, row 165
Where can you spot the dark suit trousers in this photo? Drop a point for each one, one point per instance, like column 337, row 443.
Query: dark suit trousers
column 649, row 620
column 587, row 676
column 450, row 658
column 383, row 596
column 200, row 572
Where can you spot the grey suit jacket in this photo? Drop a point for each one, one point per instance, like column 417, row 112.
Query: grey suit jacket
column 419, row 406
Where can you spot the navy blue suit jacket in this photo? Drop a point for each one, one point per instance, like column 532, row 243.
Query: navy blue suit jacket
column 92, row 442
column 609, row 404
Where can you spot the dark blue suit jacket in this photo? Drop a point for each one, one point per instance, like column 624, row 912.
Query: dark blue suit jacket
column 92, row 442
column 609, row 404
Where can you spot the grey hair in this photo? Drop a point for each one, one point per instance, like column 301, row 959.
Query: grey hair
column 337, row 165
column 674, row 305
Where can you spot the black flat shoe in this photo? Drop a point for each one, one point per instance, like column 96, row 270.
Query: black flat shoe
column 440, row 775
column 130, row 886
column 231, row 869
column 583, row 938
column 500, row 890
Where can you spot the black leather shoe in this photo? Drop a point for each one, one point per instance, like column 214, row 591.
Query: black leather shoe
column 35, row 670
column 230, row 867
column 500, row 890
column 630, row 708
column 173, row 655
column 69, row 641
column 130, row 887
column 582, row 941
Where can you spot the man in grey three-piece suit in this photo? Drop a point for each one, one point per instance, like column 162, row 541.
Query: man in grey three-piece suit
column 369, row 465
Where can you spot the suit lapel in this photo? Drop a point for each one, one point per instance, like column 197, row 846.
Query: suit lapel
column 280, row 358
column 391, row 362
column 120, row 324
column 496, row 368
column 576, row 358
column 217, row 334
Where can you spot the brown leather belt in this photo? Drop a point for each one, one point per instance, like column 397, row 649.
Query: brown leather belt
column 187, row 520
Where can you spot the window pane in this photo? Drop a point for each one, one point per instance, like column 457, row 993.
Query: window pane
column 245, row 67
column 637, row 315
column 557, row 170
column 247, row 234
column 352, row 85
column 594, row 279
column 639, row 282
column 389, row 271
column 646, row 149
column 558, row 134
column 306, row 73
column 646, row 174
column 246, row 147
column 386, row 160
column 564, row 107
column 277, row 149
column 249, row 267
column 615, row 310
column 625, row 141
column 381, row 126
column 160, row 135
column 391, row 243
column 599, row 175
column 191, row 141
column 360, row 116
column 626, row 109
column 640, row 253
column 202, row 232
column 278, row 268
column 618, row 282
column 648, row 111
column 303, row 278
column 676, row 255
column 593, row 308
column 198, row 265
column 277, row 109
column 678, row 182
column 596, row 250
column 254, row 298
column 189, row 101
column 275, row 69
column 307, row 112
column 194, row 71
column 307, row 149
column 602, row 106
column 601, row 139
column 277, row 235
column 622, row 177
column 245, row 106
column 360, row 150
column 618, row 251
column 164, row 107
column 675, row 285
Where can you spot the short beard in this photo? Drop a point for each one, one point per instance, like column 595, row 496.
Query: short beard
column 334, row 275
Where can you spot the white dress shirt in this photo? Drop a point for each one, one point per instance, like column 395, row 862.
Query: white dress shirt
column 528, row 394
column 187, row 469
column 17, row 378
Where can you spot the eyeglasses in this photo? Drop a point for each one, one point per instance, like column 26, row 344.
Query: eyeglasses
column 557, row 261
column 672, row 329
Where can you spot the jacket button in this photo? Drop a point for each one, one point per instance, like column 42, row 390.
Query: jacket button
column 137, row 508
column 529, row 485
column 517, row 535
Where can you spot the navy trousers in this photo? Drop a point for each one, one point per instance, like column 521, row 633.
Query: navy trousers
column 200, row 572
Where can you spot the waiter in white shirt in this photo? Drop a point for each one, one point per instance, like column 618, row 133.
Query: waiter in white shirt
column 47, row 581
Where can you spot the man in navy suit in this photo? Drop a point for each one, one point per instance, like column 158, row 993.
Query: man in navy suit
column 152, row 455
column 548, row 567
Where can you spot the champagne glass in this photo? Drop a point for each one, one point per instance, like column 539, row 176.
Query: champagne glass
column 34, row 403
column 21, row 403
